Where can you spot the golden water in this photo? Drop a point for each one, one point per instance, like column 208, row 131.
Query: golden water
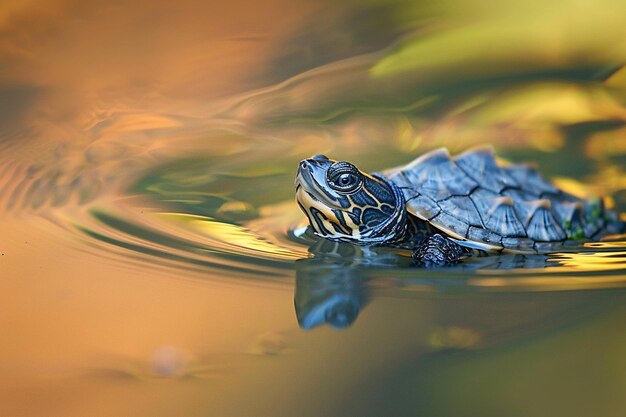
column 151, row 257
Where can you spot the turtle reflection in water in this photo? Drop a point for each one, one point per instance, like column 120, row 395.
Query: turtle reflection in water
column 336, row 283
column 330, row 287
column 445, row 208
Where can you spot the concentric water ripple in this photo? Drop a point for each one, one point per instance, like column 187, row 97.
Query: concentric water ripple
column 185, row 215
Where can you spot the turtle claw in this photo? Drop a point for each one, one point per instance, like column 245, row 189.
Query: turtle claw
column 437, row 250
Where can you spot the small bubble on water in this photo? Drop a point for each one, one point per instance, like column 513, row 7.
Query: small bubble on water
column 168, row 361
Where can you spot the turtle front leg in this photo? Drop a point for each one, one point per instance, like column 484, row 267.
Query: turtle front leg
column 437, row 250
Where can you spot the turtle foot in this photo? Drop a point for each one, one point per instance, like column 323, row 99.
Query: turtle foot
column 437, row 250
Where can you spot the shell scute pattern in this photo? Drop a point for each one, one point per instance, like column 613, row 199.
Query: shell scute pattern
column 530, row 180
column 542, row 226
column 424, row 207
column 481, row 166
column 451, row 224
column 463, row 209
column 439, row 177
column 474, row 198
column 570, row 216
column 517, row 194
column 479, row 234
column 483, row 200
column 502, row 219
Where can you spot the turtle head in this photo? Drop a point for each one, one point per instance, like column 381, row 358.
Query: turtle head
column 345, row 204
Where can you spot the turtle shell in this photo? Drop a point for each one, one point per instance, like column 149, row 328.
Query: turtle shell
column 488, row 205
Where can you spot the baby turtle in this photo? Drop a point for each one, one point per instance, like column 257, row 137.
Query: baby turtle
column 444, row 207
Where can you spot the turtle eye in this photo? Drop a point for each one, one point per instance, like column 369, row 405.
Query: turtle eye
column 344, row 177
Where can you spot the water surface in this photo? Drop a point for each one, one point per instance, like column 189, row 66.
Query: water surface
column 153, row 260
